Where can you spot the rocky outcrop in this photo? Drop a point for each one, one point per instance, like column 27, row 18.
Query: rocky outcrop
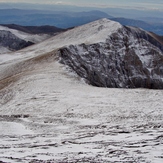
column 129, row 58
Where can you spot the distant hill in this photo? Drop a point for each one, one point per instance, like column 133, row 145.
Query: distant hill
column 15, row 37
column 35, row 29
column 66, row 19
column 59, row 19
column 132, row 22
column 10, row 42
column 156, row 28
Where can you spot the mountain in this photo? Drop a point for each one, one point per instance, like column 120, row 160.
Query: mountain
column 48, row 113
column 133, row 22
column 14, row 37
column 60, row 19
column 35, row 29
column 154, row 27
column 10, row 42
column 47, row 19
column 131, row 13
column 107, row 54
column 129, row 58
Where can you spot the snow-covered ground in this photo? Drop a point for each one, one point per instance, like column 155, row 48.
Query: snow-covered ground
column 4, row 50
column 48, row 114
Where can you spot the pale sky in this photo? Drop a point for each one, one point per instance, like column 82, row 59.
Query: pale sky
column 137, row 4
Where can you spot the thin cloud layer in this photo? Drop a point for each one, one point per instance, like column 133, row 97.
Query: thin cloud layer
column 137, row 4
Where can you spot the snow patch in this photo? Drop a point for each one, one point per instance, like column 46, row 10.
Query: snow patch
column 13, row 128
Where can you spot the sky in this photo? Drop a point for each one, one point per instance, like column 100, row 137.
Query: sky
column 137, row 4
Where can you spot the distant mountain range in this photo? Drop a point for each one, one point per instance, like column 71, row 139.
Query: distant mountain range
column 67, row 19
column 35, row 29
column 59, row 18
column 154, row 27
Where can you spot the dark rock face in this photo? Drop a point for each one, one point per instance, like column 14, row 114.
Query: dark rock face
column 130, row 58
column 10, row 41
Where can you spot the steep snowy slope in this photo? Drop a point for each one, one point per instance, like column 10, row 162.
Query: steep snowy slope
column 49, row 114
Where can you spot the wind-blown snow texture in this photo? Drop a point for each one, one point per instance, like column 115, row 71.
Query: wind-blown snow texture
column 49, row 114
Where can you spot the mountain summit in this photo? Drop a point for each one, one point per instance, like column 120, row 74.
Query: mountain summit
column 113, row 55
column 107, row 54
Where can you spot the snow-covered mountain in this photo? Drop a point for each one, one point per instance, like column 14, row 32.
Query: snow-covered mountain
column 49, row 114
column 107, row 54
column 12, row 40
column 128, row 58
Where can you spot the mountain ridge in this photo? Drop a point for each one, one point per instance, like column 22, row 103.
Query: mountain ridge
column 60, row 19
column 68, row 19
column 47, row 29
column 108, row 54
column 14, row 37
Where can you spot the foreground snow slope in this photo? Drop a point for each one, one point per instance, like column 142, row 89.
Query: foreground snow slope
column 47, row 113
column 66, row 120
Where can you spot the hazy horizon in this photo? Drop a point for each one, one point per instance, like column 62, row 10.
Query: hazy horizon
column 127, row 4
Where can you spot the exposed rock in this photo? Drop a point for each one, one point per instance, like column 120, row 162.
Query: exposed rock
column 129, row 58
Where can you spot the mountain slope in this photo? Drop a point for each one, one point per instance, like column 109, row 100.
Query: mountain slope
column 35, row 38
column 49, row 114
column 108, row 54
column 157, row 37
column 133, row 22
column 12, row 42
column 35, row 29
column 129, row 58
column 154, row 27
column 12, row 39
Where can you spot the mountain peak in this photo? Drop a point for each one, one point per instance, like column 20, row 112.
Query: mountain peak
column 106, row 54
column 94, row 32
column 98, row 31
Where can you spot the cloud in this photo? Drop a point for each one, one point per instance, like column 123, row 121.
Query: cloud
column 59, row 2
column 129, row 4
